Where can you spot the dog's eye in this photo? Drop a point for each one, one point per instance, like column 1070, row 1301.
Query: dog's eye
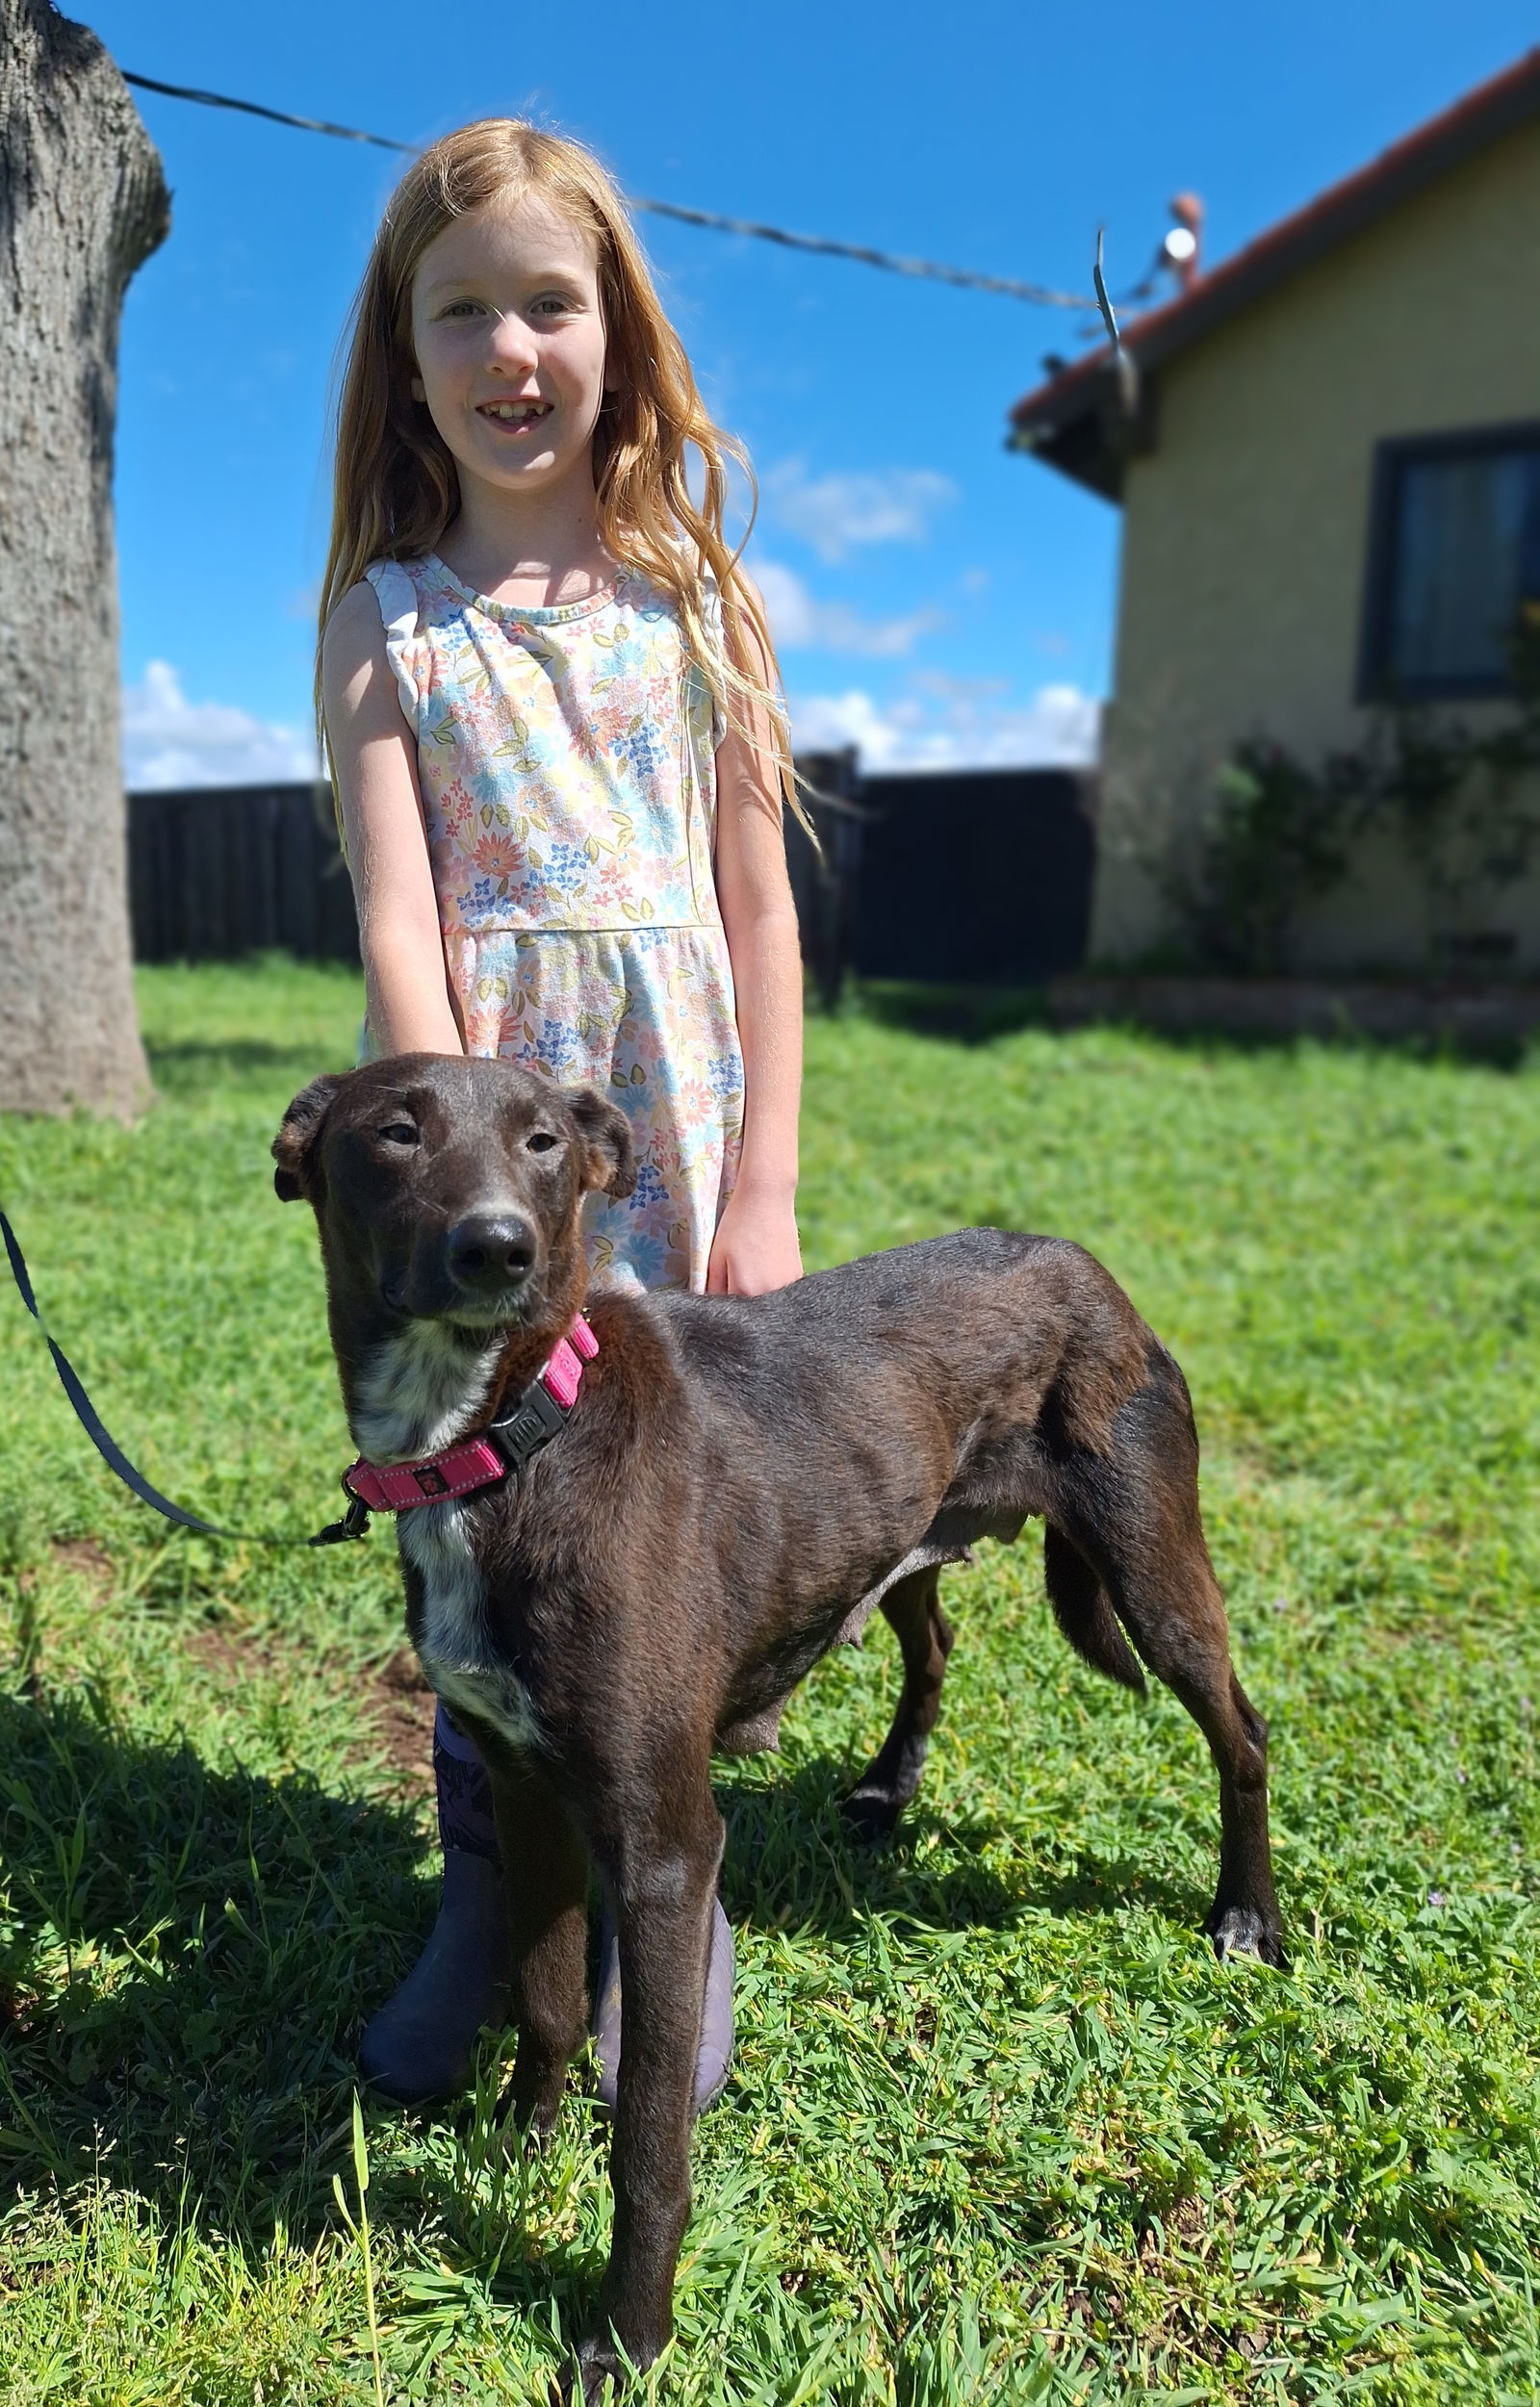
column 541, row 1142
column 398, row 1133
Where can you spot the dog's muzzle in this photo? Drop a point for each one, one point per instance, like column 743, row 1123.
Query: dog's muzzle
column 482, row 1269
column 489, row 1254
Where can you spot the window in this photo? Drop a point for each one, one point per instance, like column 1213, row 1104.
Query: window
column 1453, row 559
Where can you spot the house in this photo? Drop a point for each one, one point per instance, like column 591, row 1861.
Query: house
column 1327, row 457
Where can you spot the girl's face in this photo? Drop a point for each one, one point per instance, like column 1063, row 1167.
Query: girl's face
column 509, row 342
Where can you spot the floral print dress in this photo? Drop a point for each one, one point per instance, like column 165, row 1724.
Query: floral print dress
column 568, row 771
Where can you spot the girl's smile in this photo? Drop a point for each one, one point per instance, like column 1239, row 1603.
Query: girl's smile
column 515, row 415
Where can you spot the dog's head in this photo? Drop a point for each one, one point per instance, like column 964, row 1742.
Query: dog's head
column 449, row 1189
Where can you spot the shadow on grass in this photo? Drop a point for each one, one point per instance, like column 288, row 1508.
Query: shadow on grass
column 1494, row 1049
column 184, row 1068
column 978, row 1015
column 232, row 1053
column 972, row 1015
column 185, row 1956
column 792, row 1862
column 184, row 1961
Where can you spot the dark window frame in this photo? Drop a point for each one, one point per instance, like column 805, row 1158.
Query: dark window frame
column 1373, row 683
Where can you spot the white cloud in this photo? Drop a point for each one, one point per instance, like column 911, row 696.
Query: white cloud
column 801, row 622
column 169, row 741
column 946, row 722
column 827, row 723
column 834, row 514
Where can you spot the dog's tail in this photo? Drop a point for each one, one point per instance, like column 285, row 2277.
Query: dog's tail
column 1083, row 1611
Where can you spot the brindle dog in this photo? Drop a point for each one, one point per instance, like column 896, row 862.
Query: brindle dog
column 740, row 1481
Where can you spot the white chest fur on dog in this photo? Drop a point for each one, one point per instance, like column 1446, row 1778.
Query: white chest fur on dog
column 452, row 1643
column 418, row 1396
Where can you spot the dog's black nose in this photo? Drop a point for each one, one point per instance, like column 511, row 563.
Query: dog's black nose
column 490, row 1250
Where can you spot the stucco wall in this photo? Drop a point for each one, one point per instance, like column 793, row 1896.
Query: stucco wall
column 1246, row 529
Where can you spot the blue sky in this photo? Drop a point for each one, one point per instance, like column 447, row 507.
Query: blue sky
column 936, row 597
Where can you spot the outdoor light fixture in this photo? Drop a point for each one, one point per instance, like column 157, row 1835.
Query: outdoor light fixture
column 1180, row 250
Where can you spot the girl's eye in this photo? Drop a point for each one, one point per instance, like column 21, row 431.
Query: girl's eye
column 398, row 1133
column 541, row 1142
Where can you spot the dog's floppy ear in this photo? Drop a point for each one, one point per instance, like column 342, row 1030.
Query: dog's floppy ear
column 301, row 1126
column 607, row 1140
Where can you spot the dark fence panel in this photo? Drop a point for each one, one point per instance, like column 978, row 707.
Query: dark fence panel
column 216, row 872
column 975, row 877
column 825, row 875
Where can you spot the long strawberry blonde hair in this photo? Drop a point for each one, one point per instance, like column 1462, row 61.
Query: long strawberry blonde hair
column 397, row 489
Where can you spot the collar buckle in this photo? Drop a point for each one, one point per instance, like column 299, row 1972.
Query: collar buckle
column 532, row 1423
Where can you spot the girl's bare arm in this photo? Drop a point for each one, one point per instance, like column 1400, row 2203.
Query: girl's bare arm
column 409, row 1005
column 756, row 1243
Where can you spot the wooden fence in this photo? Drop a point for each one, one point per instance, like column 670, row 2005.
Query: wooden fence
column 973, row 877
column 217, row 871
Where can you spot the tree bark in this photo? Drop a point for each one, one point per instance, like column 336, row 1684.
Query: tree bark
column 83, row 201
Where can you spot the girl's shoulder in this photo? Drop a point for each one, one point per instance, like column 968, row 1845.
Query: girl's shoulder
column 395, row 587
column 383, row 616
column 354, row 630
column 386, row 589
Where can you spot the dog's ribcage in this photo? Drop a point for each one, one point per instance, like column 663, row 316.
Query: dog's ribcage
column 418, row 1397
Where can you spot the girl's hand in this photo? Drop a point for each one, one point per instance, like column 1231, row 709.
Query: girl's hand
column 755, row 1248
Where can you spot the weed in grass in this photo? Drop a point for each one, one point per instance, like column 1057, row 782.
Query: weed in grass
column 999, row 2128
column 359, row 2227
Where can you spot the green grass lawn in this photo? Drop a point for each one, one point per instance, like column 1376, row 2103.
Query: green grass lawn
column 999, row 2127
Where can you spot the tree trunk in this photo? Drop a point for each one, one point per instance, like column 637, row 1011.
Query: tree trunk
column 82, row 202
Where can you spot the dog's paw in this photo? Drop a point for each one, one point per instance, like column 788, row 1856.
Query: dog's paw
column 871, row 1815
column 577, row 2384
column 1242, row 1931
column 580, row 2386
column 597, row 2376
column 523, row 2132
column 584, row 2384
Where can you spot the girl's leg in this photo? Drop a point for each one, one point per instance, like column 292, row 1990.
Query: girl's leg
column 714, row 2061
column 419, row 2044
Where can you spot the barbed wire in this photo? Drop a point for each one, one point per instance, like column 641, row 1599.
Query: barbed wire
column 825, row 247
column 255, row 108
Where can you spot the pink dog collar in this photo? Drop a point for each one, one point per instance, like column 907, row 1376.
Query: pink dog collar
column 505, row 1444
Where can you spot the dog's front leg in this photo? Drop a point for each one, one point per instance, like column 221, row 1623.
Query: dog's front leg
column 545, row 1876
column 663, row 1882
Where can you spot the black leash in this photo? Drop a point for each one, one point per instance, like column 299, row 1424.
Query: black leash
column 353, row 1525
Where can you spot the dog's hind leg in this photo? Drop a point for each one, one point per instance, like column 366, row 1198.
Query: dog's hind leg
column 1181, row 1631
column 1139, row 1524
column 546, row 1887
column 890, row 1780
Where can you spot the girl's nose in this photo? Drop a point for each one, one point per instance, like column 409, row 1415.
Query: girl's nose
column 513, row 346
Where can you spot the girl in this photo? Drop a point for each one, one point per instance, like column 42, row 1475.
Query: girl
column 549, row 700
